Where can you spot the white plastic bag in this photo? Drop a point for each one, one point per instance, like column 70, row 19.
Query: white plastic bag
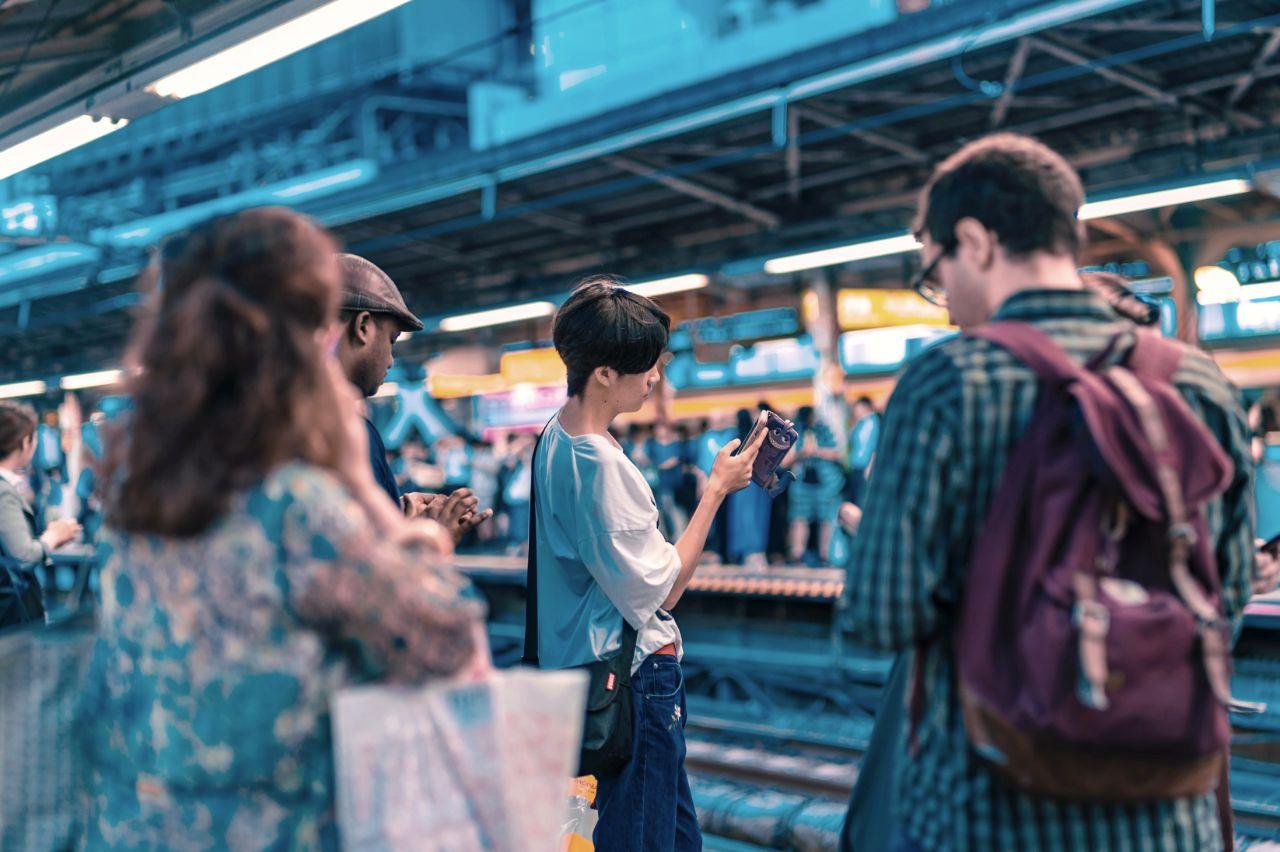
column 458, row 767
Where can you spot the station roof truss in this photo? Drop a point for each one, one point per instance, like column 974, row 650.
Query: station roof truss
column 1133, row 97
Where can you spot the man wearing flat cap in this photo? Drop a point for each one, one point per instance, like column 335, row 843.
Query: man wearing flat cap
column 373, row 315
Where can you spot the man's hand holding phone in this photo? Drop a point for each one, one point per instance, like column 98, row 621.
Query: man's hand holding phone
column 1266, row 566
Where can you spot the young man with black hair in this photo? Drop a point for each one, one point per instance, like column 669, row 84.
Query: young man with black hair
column 602, row 559
column 373, row 315
column 1001, row 241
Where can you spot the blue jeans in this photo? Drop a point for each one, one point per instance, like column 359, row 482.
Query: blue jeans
column 647, row 806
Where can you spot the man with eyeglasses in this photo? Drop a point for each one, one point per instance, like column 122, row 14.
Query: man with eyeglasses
column 1001, row 241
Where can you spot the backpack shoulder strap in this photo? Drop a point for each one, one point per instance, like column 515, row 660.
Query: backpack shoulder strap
column 1033, row 347
column 1155, row 357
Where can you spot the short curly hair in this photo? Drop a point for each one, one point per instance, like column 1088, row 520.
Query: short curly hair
column 1014, row 185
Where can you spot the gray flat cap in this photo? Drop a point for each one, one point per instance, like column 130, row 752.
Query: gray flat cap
column 365, row 287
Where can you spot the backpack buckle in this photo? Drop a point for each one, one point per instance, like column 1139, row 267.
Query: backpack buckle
column 1091, row 617
column 1184, row 533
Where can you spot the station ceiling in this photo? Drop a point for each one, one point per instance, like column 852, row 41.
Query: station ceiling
column 1133, row 97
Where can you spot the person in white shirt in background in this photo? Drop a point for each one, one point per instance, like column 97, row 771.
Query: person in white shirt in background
column 602, row 559
column 21, row 549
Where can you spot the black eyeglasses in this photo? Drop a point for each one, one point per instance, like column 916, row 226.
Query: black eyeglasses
column 928, row 287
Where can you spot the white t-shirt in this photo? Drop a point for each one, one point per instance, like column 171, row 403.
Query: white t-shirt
column 601, row 557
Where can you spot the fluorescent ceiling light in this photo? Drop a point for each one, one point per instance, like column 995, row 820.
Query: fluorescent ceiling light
column 842, row 254
column 1218, row 286
column 295, row 190
column 267, row 47
column 1091, row 210
column 1215, row 285
column 80, row 381
column 498, row 316
column 29, row 263
column 326, row 180
column 21, row 389
column 665, row 286
column 1164, row 198
column 55, row 141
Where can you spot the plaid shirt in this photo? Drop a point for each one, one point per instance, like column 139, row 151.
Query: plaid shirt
column 953, row 421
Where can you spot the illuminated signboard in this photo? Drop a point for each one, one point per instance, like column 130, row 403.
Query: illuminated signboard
column 540, row 366
column 867, row 308
column 1235, row 320
column 525, row 405
column 883, row 350
column 774, row 360
column 1159, row 292
column 790, row 359
column 1131, row 269
column 1251, row 309
column 29, row 217
column 750, row 325
column 1254, row 264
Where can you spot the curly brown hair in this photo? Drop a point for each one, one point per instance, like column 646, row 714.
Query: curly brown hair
column 230, row 379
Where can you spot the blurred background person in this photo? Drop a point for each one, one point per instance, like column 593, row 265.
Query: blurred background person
column 864, row 433
column 22, row 548
column 687, row 490
column 748, row 512
column 516, row 492
column 254, row 565
column 454, row 458
column 485, row 469
column 718, row 431
column 666, row 452
column 815, row 494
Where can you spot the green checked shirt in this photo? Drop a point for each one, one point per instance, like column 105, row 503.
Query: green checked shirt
column 953, row 421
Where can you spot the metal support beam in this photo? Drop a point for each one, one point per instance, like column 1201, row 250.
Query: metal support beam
column 1242, row 87
column 1017, row 64
column 872, row 137
column 556, row 220
column 489, row 199
column 1120, row 75
column 81, row 50
column 1118, row 230
column 695, row 190
column 793, row 153
column 779, row 118
column 1136, row 79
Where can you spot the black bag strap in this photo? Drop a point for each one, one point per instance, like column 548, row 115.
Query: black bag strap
column 530, row 658
column 531, row 578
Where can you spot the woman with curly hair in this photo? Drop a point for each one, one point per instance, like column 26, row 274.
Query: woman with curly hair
column 252, row 565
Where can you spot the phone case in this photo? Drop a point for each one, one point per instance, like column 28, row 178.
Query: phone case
column 777, row 443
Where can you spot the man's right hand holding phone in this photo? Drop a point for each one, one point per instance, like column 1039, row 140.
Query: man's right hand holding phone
column 1266, row 566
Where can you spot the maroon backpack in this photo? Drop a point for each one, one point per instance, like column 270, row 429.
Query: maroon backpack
column 1092, row 653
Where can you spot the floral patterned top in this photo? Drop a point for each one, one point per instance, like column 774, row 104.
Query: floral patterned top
column 209, row 691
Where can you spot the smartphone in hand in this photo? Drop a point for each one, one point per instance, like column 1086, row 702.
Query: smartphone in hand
column 780, row 437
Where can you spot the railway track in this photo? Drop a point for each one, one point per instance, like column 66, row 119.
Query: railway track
column 760, row 783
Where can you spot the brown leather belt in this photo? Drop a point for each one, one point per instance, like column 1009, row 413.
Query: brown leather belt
column 668, row 649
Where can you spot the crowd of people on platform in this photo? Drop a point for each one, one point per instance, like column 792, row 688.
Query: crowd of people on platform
column 752, row 530
column 260, row 552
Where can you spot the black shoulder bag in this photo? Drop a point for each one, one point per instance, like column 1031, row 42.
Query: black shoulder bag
column 606, row 731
